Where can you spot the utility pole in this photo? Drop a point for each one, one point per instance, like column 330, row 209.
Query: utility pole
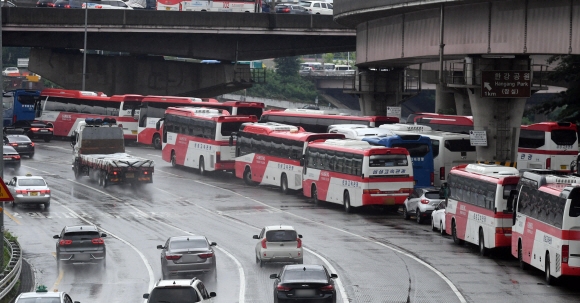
column 2, row 161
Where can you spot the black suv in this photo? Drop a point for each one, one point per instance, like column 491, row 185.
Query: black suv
column 80, row 244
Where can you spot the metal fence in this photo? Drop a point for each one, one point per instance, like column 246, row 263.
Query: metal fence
column 11, row 273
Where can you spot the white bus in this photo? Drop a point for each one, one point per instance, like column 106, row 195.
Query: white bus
column 449, row 149
column 545, row 231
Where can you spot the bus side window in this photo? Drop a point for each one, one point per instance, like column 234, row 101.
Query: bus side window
column 574, row 204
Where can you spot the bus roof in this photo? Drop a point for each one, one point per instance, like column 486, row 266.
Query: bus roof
column 171, row 99
column 548, row 178
column 196, row 112
column 301, row 112
column 77, row 94
column 406, row 127
column 357, row 146
column 243, row 104
column 549, row 126
column 490, row 172
column 286, row 131
column 441, row 119
column 127, row 97
column 382, row 139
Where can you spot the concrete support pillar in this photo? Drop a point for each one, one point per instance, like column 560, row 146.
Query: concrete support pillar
column 379, row 89
column 462, row 103
column 444, row 100
column 500, row 117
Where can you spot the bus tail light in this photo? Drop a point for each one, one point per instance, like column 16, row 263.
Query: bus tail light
column 424, row 201
column 298, row 243
column 264, row 243
column 442, row 173
column 218, row 156
column 565, row 253
column 503, row 230
column 432, row 178
column 549, row 163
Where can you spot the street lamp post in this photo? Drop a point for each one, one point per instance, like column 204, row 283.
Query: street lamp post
column 85, row 47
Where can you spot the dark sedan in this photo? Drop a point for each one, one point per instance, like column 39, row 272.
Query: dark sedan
column 11, row 157
column 45, row 3
column 21, row 143
column 34, row 129
column 301, row 283
column 291, row 9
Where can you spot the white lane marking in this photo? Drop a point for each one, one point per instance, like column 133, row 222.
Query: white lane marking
column 342, row 292
column 97, row 190
column 143, row 258
column 242, row 294
column 161, row 171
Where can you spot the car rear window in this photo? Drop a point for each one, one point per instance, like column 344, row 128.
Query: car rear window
column 308, row 275
column 39, row 300
column 432, row 195
column 185, row 244
column 81, row 235
column 173, row 295
column 281, row 236
column 31, row 182
column 19, row 139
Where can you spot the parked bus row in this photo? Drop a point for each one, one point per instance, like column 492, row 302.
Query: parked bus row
column 548, row 145
column 324, row 166
column 239, row 6
column 535, row 214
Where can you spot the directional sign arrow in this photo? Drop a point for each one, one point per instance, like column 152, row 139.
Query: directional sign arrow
column 486, row 85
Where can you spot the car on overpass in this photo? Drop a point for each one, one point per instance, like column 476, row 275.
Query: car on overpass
column 318, row 7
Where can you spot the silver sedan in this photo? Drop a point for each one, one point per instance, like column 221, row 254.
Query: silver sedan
column 188, row 256
column 29, row 190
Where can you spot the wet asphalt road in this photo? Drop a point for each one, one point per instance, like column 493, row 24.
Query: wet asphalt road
column 378, row 257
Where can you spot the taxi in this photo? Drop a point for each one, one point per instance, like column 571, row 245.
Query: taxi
column 42, row 295
column 29, row 189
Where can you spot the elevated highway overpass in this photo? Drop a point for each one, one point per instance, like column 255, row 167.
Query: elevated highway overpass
column 141, row 33
column 469, row 40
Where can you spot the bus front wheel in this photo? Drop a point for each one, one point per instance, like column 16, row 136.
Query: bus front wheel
column 454, row 233
column 284, row 184
column 346, row 202
column 482, row 249
column 315, row 196
column 248, row 177
column 173, row 159
column 523, row 264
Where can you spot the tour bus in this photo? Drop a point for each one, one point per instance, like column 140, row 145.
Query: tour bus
column 153, row 108
column 354, row 173
column 449, row 149
column 199, row 137
column 441, row 122
column 549, row 145
column 318, row 121
column 19, row 105
column 66, row 108
column 243, row 6
column 546, row 217
column 270, row 153
column 419, row 148
column 477, row 210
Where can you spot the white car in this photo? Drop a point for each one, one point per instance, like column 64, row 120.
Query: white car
column 438, row 218
column 421, row 203
column 107, row 4
column 43, row 295
column 179, row 290
column 318, row 7
column 279, row 243
column 10, row 70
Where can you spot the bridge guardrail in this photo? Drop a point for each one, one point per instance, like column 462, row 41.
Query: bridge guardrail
column 11, row 273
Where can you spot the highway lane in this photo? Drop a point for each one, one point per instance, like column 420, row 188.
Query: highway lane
column 378, row 257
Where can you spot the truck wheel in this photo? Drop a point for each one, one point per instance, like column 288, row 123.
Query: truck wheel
column 76, row 170
column 105, row 181
column 156, row 141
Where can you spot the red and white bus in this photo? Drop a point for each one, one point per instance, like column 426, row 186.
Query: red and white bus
column 545, row 230
column 319, row 121
column 153, row 108
column 199, row 138
column 354, row 173
column 66, row 108
column 170, row 5
column 549, row 145
column 240, row 6
column 441, row 122
column 270, row 154
column 477, row 211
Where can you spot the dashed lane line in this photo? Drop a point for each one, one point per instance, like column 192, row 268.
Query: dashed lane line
column 59, row 278
column 342, row 292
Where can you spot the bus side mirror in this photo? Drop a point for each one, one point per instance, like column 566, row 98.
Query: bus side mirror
column 302, row 161
column 231, row 141
column 158, row 125
column 513, row 196
column 133, row 112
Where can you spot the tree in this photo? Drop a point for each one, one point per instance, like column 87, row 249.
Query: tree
column 287, row 66
column 567, row 102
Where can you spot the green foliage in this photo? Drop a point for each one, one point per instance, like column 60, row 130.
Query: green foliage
column 291, row 88
column 14, row 292
column 328, row 58
column 287, row 66
column 566, row 104
column 526, row 121
column 447, row 111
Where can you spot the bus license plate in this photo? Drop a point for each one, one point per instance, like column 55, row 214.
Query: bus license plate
column 34, row 193
column 563, row 166
column 129, row 175
column 389, row 201
column 134, row 132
